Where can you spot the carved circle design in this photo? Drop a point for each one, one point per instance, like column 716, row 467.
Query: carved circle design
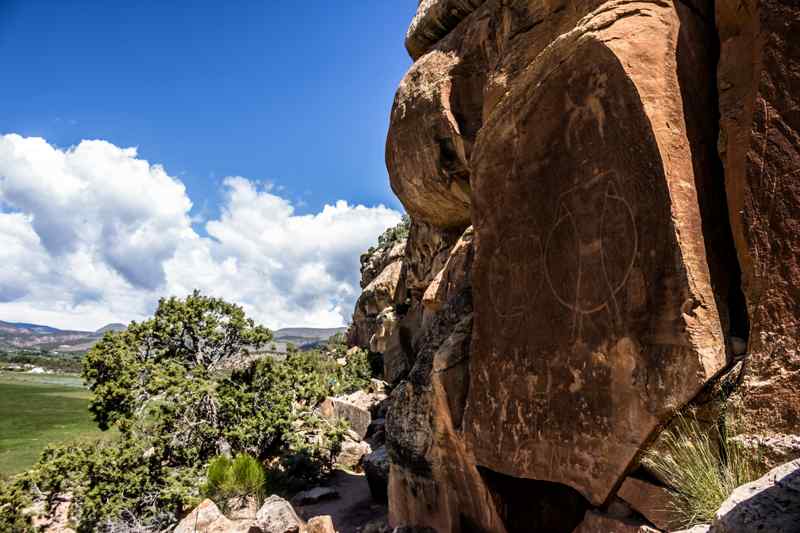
column 591, row 249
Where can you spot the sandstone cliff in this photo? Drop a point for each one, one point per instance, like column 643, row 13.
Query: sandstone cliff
column 605, row 206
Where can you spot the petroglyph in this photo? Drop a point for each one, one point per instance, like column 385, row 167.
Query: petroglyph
column 589, row 111
column 596, row 221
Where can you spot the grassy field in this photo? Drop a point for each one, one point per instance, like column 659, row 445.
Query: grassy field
column 36, row 410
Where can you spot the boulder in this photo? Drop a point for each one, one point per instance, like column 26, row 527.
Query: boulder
column 759, row 143
column 376, row 468
column 434, row 19
column 315, row 495
column 437, row 112
column 771, row 503
column 205, row 518
column 594, row 522
column 352, row 452
column 595, row 316
column 651, row 501
column 277, row 515
column 426, row 152
column 355, row 408
column 321, row 524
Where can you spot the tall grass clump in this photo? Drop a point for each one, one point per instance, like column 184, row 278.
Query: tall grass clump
column 238, row 479
column 702, row 466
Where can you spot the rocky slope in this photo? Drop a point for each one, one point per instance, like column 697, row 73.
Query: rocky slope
column 605, row 205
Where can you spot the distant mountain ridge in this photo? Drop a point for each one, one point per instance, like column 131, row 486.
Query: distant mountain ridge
column 17, row 336
column 307, row 333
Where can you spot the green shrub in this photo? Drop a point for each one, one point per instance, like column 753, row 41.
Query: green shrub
column 392, row 235
column 239, row 479
column 702, row 466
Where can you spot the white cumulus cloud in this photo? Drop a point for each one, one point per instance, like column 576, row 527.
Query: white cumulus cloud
column 94, row 234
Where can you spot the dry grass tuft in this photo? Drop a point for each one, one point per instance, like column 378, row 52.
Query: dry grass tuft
column 702, row 466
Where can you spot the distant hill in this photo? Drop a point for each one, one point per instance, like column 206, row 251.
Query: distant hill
column 310, row 334
column 302, row 338
column 116, row 326
column 22, row 336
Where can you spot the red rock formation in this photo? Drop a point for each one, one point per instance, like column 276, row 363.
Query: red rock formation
column 596, row 289
column 759, row 100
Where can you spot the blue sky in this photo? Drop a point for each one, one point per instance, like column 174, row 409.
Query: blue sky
column 293, row 97
column 260, row 88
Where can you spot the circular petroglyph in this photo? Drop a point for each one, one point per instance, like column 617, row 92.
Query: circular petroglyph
column 591, row 248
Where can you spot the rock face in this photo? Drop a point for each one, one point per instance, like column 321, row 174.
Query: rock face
column 380, row 272
column 605, row 219
column 771, row 503
column 607, row 247
column 759, row 103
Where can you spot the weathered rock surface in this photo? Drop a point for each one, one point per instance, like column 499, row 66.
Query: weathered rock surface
column 373, row 264
column 277, row 515
column 759, row 143
column 355, row 408
column 571, row 276
column 590, row 276
column 426, row 253
column 57, row 520
column 435, row 117
column 433, row 479
column 376, row 468
column 651, row 501
column 377, row 296
column 771, row 503
column 321, row 524
column 352, row 453
column 597, row 523
column 453, row 276
column 206, row 518
column 434, row 19
column 386, row 336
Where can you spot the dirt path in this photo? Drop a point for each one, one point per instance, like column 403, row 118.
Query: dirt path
column 354, row 507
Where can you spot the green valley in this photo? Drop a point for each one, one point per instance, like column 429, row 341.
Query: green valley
column 37, row 410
